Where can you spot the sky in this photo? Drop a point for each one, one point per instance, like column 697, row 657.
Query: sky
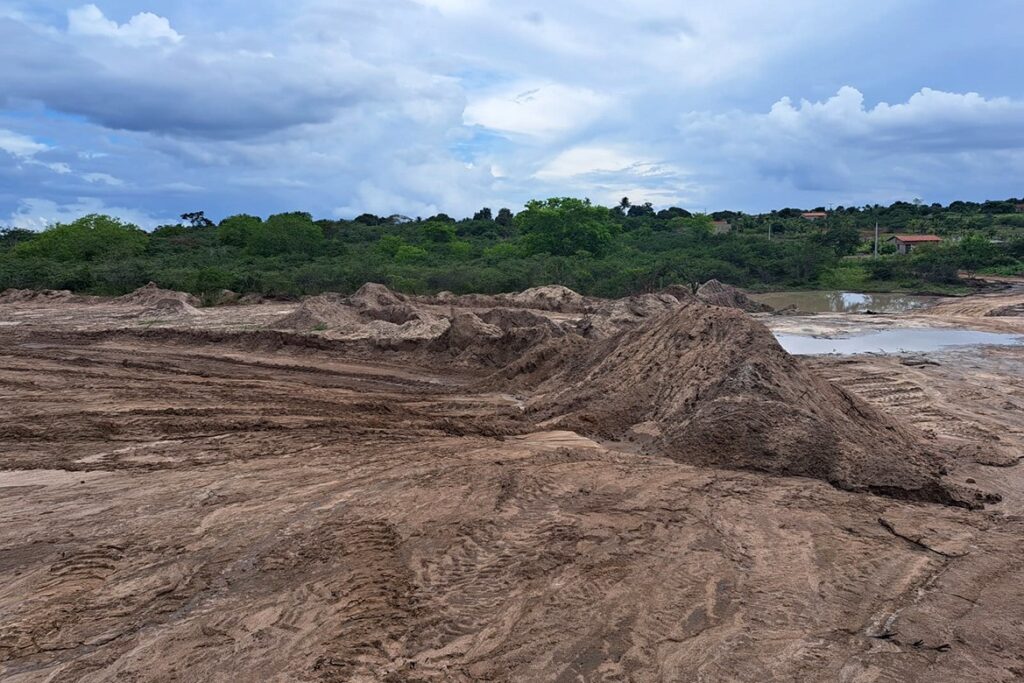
column 146, row 110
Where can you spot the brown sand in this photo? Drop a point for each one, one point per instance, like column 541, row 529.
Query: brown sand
column 716, row 293
column 206, row 499
column 710, row 386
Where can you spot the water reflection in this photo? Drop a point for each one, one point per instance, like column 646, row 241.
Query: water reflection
column 831, row 301
column 893, row 341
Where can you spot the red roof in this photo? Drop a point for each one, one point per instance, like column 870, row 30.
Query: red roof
column 814, row 214
column 917, row 238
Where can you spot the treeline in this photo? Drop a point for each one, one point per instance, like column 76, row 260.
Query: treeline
column 592, row 249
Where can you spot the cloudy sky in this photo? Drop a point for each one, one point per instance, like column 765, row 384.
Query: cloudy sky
column 147, row 110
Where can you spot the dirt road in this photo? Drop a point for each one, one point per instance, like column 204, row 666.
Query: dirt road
column 191, row 508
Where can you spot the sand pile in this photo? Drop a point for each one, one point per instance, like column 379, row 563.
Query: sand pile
column 318, row 313
column 716, row 293
column 388, row 335
column 373, row 296
column 710, row 386
column 680, row 292
column 509, row 318
column 611, row 317
column 538, row 363
column 467, row 330
column 374, row 314
column 40, row 296
column 226, row 297
column 377, row 302
column 152, row 295
column 554, row 298
column 496, row 337
column 169, row 307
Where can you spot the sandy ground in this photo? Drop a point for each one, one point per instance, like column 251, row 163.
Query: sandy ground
column 192, row 509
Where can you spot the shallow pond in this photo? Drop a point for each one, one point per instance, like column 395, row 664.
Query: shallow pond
column 831, row 301
column 916, row 340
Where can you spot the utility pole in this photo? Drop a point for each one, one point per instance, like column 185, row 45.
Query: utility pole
column 876, row 239
column 769, row 231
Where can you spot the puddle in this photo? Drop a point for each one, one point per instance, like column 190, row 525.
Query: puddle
column 916, row 340
column 829, row 301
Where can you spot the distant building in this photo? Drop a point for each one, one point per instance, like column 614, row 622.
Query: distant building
column 814, row 215
column 1019, row 208
column 722, row 227
column 907, row 243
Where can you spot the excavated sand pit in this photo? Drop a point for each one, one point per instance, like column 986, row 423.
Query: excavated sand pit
column 506, row 488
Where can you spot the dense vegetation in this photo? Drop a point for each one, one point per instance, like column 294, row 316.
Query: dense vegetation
column 595, row 250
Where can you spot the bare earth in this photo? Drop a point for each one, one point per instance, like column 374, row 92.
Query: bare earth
column 212, row 494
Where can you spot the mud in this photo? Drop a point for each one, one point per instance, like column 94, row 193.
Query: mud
column 210, row 497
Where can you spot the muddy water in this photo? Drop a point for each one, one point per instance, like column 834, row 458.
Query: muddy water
column 919, row 340
column 831, row 301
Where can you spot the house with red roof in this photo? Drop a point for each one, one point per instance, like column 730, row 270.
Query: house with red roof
column 907, row 243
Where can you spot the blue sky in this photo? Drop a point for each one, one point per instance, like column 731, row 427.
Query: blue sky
column 418, row 106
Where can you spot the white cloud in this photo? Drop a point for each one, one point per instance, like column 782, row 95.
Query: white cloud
column 419, row 106
column 930, row 119
column 931, row 122
column 20, row 146
column 24, row 149
column 452, row 6
column 102, row 178
column 588, row 159
column 842, row 147
column 38, row 214
column 539, row 110
column 144, row 28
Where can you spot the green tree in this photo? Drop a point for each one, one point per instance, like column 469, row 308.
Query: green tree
column 697, row 228
column 438, row 232
column 844, row 239
column 236, row 231
column 11, row 237
column 90, row 238
column 197, row 219
column 565, row 226
column 974, row 252
column 640, row 210
column 408, row 253
column 286, row 233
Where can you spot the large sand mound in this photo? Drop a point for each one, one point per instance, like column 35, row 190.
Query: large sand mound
column 323, row 312
column 153, row 295
column 710, row 386
column 551, row 298
column 374, row 314
column 554, row 298
column 169, row 307
column 373, row 296
column 614, row 316
column 716, row 293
